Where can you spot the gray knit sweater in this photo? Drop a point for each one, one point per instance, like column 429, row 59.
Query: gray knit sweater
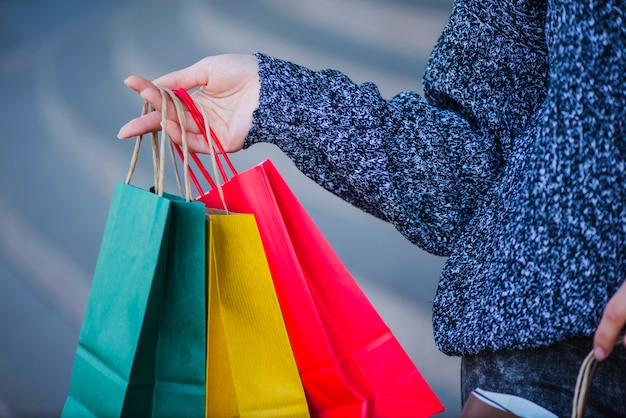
column 512, row 164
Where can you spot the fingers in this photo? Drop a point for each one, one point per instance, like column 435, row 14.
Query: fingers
column 196, row 141
column 142, row 125
column 612, row 322
column 139, row 84
column 229, row 102
column 151, row 122
column 148, row 91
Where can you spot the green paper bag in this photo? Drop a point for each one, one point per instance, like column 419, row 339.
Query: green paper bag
column 181, row 355
column 113, row 372
column 141, row 350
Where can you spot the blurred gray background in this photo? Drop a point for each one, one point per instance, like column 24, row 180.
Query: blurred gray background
column 62, row 101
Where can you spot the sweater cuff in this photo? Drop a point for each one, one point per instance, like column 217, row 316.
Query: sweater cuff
column 277, row 99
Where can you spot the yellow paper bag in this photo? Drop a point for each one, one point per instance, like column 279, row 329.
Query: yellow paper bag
column 251, row 371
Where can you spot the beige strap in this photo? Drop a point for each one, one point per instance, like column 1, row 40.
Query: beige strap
column 133, row 161
column 158, row 151
column 182, row 121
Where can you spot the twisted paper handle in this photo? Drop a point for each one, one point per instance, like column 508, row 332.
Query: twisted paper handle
column 159, row 151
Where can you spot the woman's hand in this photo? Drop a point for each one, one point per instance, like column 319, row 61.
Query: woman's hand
column 612, row 322
column 229, row 93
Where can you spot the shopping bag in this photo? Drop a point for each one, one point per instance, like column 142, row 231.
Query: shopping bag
column 142, row 345
column 350, row 362
column 141, row 350
column 251, row 371
column 114, row 366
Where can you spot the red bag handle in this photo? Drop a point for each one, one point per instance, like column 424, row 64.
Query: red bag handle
column 203, row 170
column 218, row 148
column 199, row 119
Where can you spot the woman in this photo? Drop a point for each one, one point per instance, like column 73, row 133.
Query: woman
column 513, row 165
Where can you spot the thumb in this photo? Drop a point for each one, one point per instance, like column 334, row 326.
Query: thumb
column 612, row 322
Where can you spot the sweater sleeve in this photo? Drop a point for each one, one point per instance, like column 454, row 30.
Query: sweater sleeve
column 421, row 168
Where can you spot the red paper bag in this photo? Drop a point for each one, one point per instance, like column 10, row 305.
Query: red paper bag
column 350, row 363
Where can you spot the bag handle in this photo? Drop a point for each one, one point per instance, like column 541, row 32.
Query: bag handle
column 583, row 383
column 155, row 150
column 158, row 151
column 201, row 120
column 180, row 96
column 216, row 149
column 180, row 113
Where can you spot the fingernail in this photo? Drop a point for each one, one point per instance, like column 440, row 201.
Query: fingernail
column 599, row 353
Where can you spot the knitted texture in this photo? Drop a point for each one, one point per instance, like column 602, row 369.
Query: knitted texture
column 512, row 164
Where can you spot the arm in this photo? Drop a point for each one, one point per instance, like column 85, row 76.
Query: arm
column 419, row 167
column 414, row 165
column 423, row 165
